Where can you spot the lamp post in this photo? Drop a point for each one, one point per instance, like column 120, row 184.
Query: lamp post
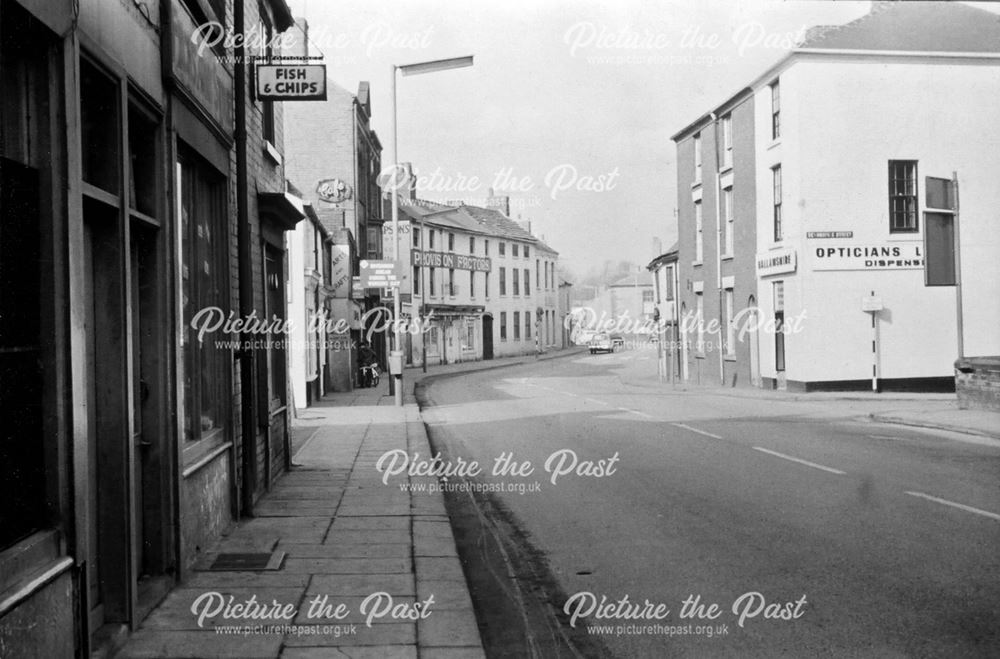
column 407, row 70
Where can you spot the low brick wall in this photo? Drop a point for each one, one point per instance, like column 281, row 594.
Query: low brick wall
column 977, row 383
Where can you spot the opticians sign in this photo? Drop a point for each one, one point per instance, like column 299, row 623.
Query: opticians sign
column 291, row 82
column 869, row 256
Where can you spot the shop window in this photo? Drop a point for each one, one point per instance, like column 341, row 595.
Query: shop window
column 142, row 160
column 26, row 294
column 99, row 96
column 203, row 284
column 902, row 196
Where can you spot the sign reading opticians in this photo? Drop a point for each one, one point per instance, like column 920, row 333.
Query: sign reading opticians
column 870, row 256
column 291, row 82
column 777, row 262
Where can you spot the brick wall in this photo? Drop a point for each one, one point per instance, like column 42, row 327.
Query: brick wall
column 977, row 383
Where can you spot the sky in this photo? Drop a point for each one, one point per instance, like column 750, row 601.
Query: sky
column 569, row 106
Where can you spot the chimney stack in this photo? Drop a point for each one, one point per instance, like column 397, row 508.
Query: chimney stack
column 500, row 203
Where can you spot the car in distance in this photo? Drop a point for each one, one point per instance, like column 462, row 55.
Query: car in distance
column 604, row 342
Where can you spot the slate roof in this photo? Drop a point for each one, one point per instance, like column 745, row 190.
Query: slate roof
column 915, row 27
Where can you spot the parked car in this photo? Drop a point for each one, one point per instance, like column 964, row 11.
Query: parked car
column 604, row 342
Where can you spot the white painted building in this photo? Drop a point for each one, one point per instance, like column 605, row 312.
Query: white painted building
column 847, row 127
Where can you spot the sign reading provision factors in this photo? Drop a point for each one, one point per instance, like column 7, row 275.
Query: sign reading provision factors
column 291, row 82
column 877, row 256
column 452, row 260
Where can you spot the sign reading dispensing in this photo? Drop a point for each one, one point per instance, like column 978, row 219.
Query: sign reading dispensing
column 291, row 82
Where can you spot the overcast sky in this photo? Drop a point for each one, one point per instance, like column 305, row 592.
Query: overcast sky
column 563, row 95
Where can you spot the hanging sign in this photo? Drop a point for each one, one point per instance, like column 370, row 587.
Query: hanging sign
column 291, row 82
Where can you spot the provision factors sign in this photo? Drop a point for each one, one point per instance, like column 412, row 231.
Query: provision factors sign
column 380, row 274
column 451, row 260
column 291, row 82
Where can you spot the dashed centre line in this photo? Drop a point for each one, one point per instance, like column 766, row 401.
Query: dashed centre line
column 800, row 461
column 960, row 506
column 696, row 430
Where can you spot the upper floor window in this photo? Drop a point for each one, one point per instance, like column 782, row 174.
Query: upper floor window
column 503, row 249
column 727, row 140
column 902, row 196
column 517, row 281
column 472, row 244
column 416, row 237
column 699, row 236
column 776, row 203
column 430, row 236
column 775, row 110
column 486, row 248
column 513, row 249
column 451, row 242
column 527, row 252
column 697, row 158
column 728, row 224
column 266, row 48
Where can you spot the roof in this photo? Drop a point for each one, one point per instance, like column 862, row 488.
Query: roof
column 669, row 256
column 499, row 224
column 930, row 27
column 896, row 26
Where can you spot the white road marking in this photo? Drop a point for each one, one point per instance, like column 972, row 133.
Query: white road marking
column 636, row 412
column 799, row 460
column 700, row 432
column 960, row 506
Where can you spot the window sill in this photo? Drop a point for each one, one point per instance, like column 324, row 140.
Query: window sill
column 775, row 143
column 697, row 184
column 727, row 257
column 729, row 358
column 696, row 264
column 726, row 168
column 272, row 153
column 25, row 557
column 200, row 452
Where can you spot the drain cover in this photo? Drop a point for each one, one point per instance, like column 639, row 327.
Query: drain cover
column 252, row 562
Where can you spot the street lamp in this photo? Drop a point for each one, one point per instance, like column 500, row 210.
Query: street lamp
column 408, row 70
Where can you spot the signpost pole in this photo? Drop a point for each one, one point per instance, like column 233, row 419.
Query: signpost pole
column 874, row 349
column 958, row 271
column 397, row 378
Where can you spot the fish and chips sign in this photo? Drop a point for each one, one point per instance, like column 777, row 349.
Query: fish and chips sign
column 291, row 82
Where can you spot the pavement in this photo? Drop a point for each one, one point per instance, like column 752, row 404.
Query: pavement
column 347, row 536
column 936, row 411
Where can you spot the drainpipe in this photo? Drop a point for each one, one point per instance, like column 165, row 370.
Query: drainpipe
column 245, row 251
column 718, row 244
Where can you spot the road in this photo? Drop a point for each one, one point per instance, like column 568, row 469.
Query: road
column 874, row 540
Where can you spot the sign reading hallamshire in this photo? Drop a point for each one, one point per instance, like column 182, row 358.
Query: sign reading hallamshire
column 879, row 256
column 291, row 82
column 452, row 260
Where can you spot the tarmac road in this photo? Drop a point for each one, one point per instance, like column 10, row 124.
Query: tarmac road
column 874, row 540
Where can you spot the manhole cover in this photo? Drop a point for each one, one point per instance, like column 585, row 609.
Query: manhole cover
column 238, row 562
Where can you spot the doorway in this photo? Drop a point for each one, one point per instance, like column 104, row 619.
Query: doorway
column 487, row 336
